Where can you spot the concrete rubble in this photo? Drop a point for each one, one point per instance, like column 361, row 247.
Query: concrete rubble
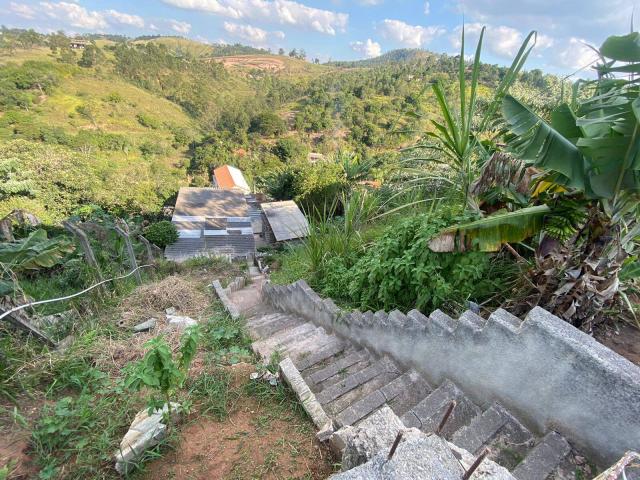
column 146, row 326
column 178, row 321
column 146, row 431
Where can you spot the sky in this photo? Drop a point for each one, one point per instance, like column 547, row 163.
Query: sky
column 350, row 29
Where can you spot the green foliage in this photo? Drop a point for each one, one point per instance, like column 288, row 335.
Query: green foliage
column 268, row 124
column 400, row 271
column 289, row 149
column 148, row 121
column 213, row 391
column 162, row 233
column 92, row 56
column 315, row 187
column 159, row 371
column 34, row 252
column 226, row 339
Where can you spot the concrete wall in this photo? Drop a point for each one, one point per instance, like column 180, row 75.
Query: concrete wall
column 550, row 373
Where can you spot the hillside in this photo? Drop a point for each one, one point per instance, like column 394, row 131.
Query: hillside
column 171, row 109
column 402, row 55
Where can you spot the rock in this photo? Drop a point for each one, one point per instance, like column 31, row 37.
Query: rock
column 181, row 322
column 171, row 311
column 145, row 432
column 266, row 376
column 418, row 457
column 146, row 326
column 359, row 444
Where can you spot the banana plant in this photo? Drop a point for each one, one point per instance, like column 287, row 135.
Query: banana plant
column 454, row 141
column 34, row 252
column 588, row 188
column 592, row 150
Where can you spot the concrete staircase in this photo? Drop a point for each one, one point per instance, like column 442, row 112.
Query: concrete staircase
column 348, row 383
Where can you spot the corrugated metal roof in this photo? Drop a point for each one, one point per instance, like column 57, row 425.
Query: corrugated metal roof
column 209, row 202
column 286, row 220
column 228, row 177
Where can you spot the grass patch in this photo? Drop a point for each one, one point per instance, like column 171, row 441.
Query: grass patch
column 212, row 392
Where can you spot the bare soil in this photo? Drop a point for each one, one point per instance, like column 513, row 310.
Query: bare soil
column 623, row 339
column 256, row 441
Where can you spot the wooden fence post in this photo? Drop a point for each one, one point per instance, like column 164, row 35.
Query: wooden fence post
column 124, row 233
column 148, row 248
column 86, row 246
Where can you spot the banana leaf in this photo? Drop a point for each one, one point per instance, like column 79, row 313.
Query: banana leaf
column 490, row 233
column 543, row 145
column 35, row 251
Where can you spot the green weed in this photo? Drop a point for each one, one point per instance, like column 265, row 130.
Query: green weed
column 212, row 392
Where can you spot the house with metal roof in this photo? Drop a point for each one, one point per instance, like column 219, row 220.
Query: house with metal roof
column 211, row 222
column 227, row 177
column 283, row 221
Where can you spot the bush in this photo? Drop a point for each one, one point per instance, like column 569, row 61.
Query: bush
column 268, row 124
column 162, row 233
column 400, row 271
column 288, row 149
column 148, row 121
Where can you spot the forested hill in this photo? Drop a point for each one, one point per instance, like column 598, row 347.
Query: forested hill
column 394, row 56
column 123, row 123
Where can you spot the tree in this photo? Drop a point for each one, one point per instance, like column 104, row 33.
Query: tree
column 281, row 51
column 293, row 53
column 289, row 149
column 268, row 124
column 92, row 55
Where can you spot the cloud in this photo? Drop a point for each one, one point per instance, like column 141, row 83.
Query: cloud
column 592, row 20
column 427, row 8
column 21, row 10
column 576, row 54
column 409, row 35
column 125, row 18
column 75, row 15
column 284, row 12
column 180, row 27
column 369, row 48
column 370, row 3
column 500, row 40
column 252, row 35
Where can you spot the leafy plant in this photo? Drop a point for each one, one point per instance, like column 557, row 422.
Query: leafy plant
column 159, row 371
column 456, row 139
column 588, row 185
column 162, row 233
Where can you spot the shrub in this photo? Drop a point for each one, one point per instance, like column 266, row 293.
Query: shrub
column 268, row 124
column 400, row 271
column 288, row 149
column 148, row 121
column 162, row 233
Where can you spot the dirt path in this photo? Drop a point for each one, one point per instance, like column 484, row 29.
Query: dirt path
column 259, row 439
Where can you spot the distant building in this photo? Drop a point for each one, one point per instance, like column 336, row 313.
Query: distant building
column 283, row 221
column 212, row 222
column 230, row 178
column 78, row 43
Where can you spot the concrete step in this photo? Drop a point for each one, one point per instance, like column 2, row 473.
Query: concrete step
column 304, row 348
column 352, row 381
column 265, row 348
column 387, row 394
column 338, row 366
column 428, row 414
column 544, row 458
column 322, row 355
column 388, row 373
column 344, row 373
column 272, row 325
column 481, row 430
